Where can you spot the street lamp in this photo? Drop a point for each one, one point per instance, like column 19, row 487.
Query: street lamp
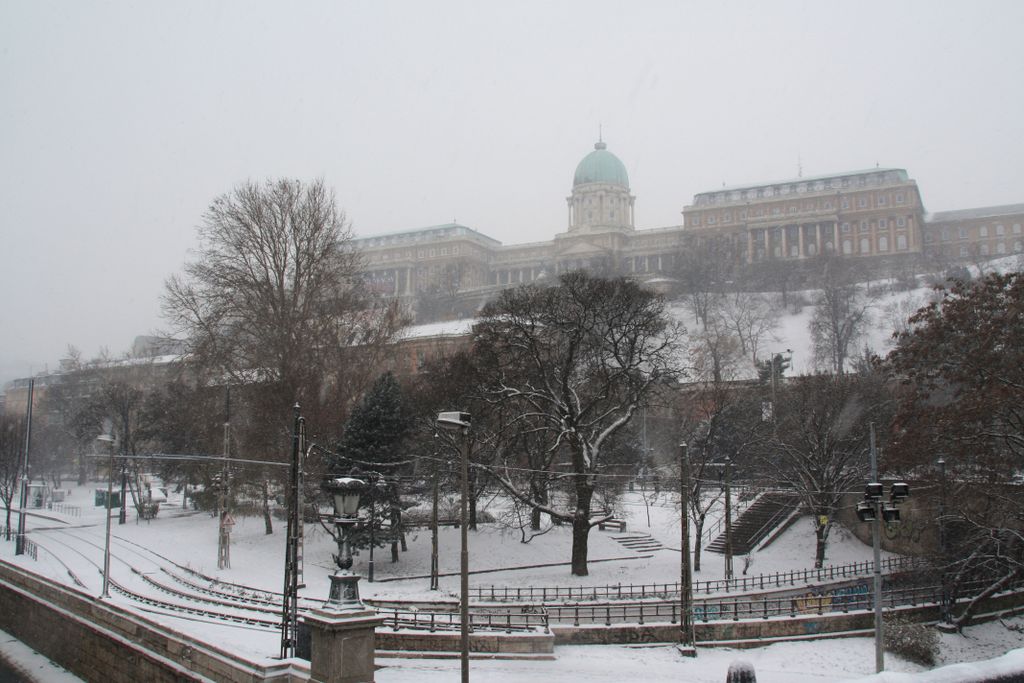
column 872, row 509
column 460, row 422
column 344, row 492
column 109, row 440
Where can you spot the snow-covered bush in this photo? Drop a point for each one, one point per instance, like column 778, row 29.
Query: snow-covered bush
column 914, row 642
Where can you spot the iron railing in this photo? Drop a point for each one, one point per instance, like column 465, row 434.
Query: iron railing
column 740, row 584
column 508, row 621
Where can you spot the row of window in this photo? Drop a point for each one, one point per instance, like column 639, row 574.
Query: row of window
column 881, row 201
column 800, row 188
column 881, row 223
column 963, row 233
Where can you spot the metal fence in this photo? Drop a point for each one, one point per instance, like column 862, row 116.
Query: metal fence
column 505, row 620
column 840, row 599
column 30, row 548
column 741, row 584
column 69, row 510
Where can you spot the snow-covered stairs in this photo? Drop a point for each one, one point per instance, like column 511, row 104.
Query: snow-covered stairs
column 639, row 542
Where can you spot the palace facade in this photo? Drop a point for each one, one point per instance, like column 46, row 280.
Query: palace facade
column 874, row 213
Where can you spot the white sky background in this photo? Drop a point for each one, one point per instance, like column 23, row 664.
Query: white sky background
column 120, row 122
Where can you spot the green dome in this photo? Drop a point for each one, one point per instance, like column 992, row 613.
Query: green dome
column 601, row 166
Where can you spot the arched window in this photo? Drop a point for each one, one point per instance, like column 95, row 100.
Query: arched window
column 1001, row 248
column 901, row 242
column 883, row 243
column 984, row 250
column 983, row 231
column 847, row 247
column 865, row 245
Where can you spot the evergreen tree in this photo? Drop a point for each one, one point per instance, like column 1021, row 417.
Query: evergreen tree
column 371, row 449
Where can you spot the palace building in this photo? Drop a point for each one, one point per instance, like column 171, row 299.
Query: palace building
column 875, row 213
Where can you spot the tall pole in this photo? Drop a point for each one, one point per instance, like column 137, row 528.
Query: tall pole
column 464, row 558
column 122, row 517
column 106, row 542
column 876, row 544
column 687, row 641
column 289, row 607
column 728, row 518
column 433, row 538
column 224, row 531
column 373, row 527
column 19, row 541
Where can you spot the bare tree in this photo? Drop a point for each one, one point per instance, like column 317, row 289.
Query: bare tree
column 703, row 268
column 841, row 314
column 716, row 417
column 820, row 445
column 751, row 319
column 12, row 441
column 273, row 298
column 575, row 362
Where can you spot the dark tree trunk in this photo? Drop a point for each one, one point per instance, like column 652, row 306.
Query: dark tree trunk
column 539, row 491
column 698, row 533
column 581, row 528
column 396, row 521
column 268, row 523
column 821, row 540
column 82, row 475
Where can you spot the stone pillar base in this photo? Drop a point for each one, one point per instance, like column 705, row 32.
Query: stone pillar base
column 343, row 645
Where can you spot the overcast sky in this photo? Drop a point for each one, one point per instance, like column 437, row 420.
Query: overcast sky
column 120, row 122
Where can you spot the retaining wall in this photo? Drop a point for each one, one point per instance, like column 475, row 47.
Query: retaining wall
column 98, row 641
column 484, row 643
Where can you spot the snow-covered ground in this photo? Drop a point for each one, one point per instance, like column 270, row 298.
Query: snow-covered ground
column 190, row 539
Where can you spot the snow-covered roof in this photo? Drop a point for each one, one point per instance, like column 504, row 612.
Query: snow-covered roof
column 979, row 212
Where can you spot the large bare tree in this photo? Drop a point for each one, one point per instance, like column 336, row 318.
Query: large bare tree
column 273, row 298
column 572, row 364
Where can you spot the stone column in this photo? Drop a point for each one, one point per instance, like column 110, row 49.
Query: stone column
column 803, row 253
column 343, row 645
column 750, row 246
column 785, row 241
column 767, row 243
column 835, row 237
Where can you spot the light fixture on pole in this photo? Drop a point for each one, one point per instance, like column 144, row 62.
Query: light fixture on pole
column 873, row 509
column 460, row 422
column 344, row 492
column 109, row 440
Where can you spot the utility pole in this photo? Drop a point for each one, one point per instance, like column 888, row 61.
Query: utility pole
column 728, row 518
column 434, row 573
column 687, row 641
column 224, row 534
column 289, row 608
column 876, row 546
column 19, row 540
column 122, row 516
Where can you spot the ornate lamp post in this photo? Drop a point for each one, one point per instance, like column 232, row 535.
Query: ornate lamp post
column 342, row 630
column 344, row 492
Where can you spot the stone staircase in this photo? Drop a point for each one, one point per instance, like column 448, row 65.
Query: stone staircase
column 639, row 542
column 756, row 522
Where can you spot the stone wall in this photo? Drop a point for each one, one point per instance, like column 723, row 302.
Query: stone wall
column 489, row 643
column 98, row 641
